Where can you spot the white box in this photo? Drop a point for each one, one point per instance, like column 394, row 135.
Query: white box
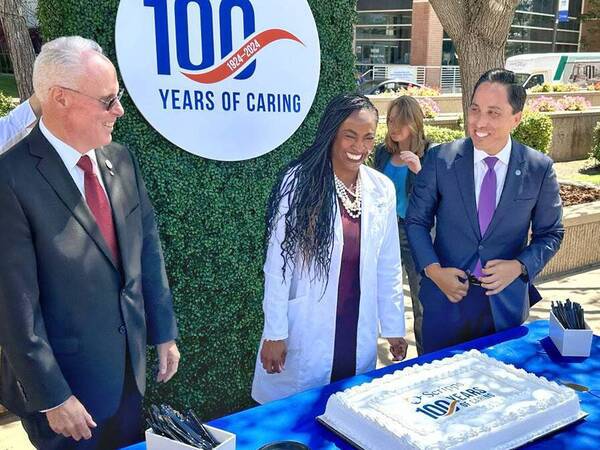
column 157, row 442
column 570, row 342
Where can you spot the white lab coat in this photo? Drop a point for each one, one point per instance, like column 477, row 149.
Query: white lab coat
column 296, row 310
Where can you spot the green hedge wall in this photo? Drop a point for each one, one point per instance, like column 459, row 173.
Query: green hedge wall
column 211, row 216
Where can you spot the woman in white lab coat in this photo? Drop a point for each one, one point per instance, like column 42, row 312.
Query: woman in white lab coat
column 333, row 279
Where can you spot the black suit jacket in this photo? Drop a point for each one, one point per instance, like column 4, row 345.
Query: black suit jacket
column 68, row 312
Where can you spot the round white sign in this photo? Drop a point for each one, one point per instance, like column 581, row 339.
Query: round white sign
column 223, row 79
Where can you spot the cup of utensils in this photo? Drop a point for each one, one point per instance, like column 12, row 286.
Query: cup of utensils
column 568, row 329
column 168, row 429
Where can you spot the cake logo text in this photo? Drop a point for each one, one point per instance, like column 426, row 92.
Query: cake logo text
column 451, row 400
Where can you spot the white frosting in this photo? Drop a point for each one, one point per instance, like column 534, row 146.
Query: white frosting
column 466, row 401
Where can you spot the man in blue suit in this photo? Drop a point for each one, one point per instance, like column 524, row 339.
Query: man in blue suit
column 484, row 193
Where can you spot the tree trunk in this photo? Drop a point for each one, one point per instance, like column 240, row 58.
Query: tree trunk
column 479, row 30
column 475, row 58
column 19, row 45
column 590, row 26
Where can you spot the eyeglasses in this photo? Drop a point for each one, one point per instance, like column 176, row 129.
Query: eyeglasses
column 109, row 103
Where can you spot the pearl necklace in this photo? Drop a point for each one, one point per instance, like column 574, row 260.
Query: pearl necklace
column 353, row 208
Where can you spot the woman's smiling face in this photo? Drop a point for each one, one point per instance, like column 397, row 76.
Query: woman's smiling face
column 354, row 141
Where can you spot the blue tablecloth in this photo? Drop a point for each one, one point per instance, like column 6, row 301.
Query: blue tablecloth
column 527, row 347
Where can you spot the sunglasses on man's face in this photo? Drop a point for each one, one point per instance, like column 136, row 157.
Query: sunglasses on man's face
column 108, row 103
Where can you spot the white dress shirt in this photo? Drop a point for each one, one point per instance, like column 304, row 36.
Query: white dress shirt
column 501, row 168
column 13, row 126
column 70, row 157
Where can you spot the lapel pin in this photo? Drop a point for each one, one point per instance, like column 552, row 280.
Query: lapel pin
column 517, row 172
column 110, row 167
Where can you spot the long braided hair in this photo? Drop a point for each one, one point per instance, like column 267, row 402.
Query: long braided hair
column 305, row 190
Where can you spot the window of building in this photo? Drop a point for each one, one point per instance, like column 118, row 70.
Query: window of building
column 519, row 48
column 530, row 34
column 383, row 52
column 566, row 48
column 539, row 6
column 383, row 31
column 532, row 30
column 544, row 21
column 382, row 5
column 547, row 6
column 383, row 18
column 449, row 53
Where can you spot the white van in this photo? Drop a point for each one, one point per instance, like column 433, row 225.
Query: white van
column 539, row 68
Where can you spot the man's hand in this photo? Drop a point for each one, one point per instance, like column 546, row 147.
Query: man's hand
column 168, row 361
column 398, row 348
column 411, row 160
column 272, row 355
column 447, row 279
column 499, row 274
column 71, row 420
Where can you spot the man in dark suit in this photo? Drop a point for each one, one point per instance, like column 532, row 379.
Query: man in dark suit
column 484, row 194
column 83, row 286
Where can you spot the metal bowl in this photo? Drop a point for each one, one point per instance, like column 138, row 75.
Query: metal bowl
column 285, row 445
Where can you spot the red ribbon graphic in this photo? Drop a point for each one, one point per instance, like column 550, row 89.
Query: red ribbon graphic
column 239, row 59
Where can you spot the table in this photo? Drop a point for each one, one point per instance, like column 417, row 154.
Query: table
column 527, row 347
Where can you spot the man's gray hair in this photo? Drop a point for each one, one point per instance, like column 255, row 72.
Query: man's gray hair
column 60, row 63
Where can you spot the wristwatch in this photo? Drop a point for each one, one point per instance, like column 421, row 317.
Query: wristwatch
column 524, row 275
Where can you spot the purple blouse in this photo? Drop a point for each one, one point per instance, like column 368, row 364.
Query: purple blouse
column 348, row 301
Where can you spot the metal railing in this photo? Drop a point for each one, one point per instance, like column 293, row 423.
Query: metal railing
column 448, row 77
column 421, row 74
column 450, row 80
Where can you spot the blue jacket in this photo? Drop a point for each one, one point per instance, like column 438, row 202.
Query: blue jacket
column 444, row 191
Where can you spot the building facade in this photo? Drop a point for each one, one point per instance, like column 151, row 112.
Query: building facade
column 408, row 32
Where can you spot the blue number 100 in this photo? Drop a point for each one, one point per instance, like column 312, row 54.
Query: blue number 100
column 161, row 26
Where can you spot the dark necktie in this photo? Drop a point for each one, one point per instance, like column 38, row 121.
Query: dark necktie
column 98, row 204
column 487, row 203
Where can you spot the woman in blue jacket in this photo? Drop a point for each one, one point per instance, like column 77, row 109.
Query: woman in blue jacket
column 399, row 157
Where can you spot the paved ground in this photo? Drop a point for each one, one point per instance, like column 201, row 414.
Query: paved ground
column 12, row 436
column 570, row 171
column 583, row 288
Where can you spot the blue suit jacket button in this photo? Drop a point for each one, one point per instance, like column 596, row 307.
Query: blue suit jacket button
column 122, row 329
